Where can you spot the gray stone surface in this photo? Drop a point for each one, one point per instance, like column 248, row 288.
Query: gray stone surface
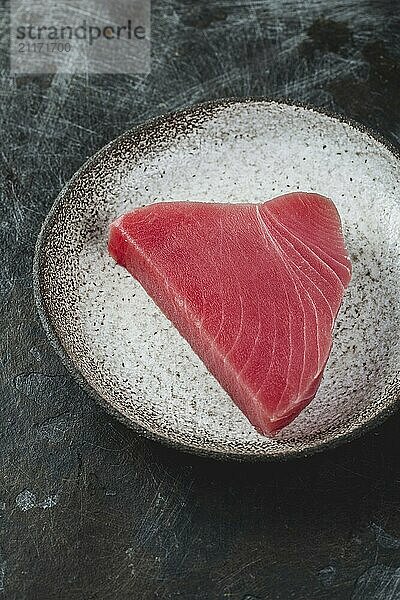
column 88, row 510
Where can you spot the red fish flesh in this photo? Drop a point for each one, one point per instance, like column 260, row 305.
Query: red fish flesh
column 254, row 288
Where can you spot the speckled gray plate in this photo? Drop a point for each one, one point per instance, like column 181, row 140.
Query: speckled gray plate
column 118, row 344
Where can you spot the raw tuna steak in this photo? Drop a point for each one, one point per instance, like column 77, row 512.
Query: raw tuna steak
column 255, row 289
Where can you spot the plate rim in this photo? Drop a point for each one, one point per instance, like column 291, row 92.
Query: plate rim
column 67, row 361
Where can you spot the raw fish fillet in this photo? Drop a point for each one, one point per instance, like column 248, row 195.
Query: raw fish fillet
column 254, row 288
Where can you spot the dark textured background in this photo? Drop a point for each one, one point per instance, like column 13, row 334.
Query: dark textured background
column 88, row 510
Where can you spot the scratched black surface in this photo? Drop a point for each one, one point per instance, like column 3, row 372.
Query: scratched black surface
column 88, row 510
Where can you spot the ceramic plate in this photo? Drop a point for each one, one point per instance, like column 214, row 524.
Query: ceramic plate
column 122, row 349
